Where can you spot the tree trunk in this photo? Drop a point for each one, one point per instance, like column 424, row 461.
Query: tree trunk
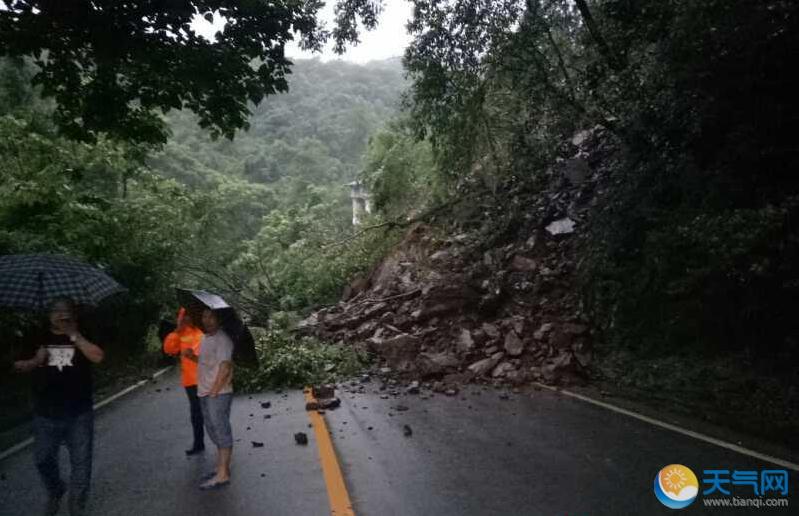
column 614, row 62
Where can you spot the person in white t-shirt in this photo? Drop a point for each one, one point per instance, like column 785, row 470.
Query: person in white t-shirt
column 215, row 390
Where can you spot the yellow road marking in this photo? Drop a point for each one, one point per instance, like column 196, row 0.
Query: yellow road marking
column 340, row 504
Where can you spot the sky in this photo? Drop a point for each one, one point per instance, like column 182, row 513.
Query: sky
column 389, row 39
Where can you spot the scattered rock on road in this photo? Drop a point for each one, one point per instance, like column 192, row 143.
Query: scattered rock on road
column 301, row 438
column 323, row 391
column 329, row 403
column 413, row 388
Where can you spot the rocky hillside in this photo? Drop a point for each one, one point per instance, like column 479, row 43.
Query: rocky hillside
column 486, row 304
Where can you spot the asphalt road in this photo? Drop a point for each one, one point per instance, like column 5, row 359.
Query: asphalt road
column 472, row 454
column 537, row 453
column 141, row 469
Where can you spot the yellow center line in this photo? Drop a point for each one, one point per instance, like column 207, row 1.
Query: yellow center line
column 340, row 504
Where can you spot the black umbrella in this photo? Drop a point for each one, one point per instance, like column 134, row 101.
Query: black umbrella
column 195, row 301
column 33, row 281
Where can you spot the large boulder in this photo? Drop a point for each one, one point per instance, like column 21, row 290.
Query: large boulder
column 502, row 369
column 563, row 369
column 444, row 296
column 430, row 364
column 491, row 330
column 513, row 344
column 484, row 366
column 400, row 352
column 465, row 341
column 523, row 264
column 562, row 226
column 542, row 332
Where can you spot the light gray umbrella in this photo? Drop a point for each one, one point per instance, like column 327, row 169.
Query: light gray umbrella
column 195, row 301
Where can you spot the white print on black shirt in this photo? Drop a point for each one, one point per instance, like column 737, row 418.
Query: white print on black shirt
column 60, row 356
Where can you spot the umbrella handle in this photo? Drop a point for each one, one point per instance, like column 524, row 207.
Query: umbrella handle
column 40, row 297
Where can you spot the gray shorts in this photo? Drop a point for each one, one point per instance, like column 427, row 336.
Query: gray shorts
column 216, row 414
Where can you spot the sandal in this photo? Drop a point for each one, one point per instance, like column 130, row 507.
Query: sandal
column 208, row 486
column 208, row 476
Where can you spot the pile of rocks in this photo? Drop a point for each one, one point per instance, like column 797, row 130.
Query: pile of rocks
column 461, row 308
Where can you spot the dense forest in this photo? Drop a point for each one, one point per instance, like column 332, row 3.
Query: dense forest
column 689, row 263
column 207, row 203
column 280, row 187
column 247, row 217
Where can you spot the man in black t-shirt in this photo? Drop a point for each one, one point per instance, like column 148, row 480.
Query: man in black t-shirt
column 62, row 391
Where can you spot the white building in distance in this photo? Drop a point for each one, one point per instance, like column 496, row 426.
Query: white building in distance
column 361, row 201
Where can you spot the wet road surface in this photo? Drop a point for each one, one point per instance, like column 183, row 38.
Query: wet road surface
column 537, row 453
column 471, row 454
column 140, row 466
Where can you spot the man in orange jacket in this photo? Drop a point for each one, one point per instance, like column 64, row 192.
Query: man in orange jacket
column 185, row 341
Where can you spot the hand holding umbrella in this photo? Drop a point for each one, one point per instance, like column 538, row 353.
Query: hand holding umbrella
column 190, row 354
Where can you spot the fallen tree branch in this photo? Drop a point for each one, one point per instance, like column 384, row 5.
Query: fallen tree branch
column 232, row 292
column 395, row 223
column 383, row 300
column 389, row 224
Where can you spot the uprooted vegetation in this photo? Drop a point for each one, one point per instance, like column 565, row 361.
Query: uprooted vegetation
column 288, row 361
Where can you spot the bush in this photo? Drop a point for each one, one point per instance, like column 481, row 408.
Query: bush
column 289, row 361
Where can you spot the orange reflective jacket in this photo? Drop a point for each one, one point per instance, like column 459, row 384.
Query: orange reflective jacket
column 187, row 337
